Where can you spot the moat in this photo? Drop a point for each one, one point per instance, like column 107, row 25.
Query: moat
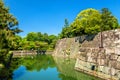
column 43, row 67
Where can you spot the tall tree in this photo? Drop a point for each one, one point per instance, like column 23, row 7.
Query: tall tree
column 90, row 21
column 8, row 29
column 86, row 22
column 108, row 21
column 65, row 30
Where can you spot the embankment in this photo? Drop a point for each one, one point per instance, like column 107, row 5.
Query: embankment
column 90, row 58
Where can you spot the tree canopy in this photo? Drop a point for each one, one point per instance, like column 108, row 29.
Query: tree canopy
column 8, row 29
column 35, row 40
column 90, row 21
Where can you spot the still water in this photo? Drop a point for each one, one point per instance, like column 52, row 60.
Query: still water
column 44, row 67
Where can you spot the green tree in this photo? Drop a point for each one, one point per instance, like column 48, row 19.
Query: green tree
column 52, row 42
column 45, row 37
column 41, row 45
column 16, row 43
column 40, row 36
column 65, row 30
column 32, row 36
column 108, row 21
column 39, row 40
column 90, row 21
column 86, row 22
column 8, row 28
column 24, row 43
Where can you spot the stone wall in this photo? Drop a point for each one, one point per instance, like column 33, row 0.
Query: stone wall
column 101, row 62
column 64, row 45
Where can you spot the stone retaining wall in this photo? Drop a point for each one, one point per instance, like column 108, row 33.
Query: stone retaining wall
column 102, row 62
column 98, row 61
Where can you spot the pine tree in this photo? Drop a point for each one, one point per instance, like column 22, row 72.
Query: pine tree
column 8, row 29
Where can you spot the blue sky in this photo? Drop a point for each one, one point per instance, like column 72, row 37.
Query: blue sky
column 47, row 16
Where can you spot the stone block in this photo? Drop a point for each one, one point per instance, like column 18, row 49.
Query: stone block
column 89, row 59
column 100, row 68
column 101, row 56
column 93, row 61
column 113, row 57
column 106, row 70
column 107, row 56
column 118, row 59
column 83, row 54
column 95, row 50
column 112, row 63
column 82, row 50
column 117, row 51
column 109, row 51
column 117, row 66
column 82, row 58
column 112, row 71
column 101, row 50
column 89, row 54
column 101, row 62
column 94, row 55
column 106, row 62
column 81, row 63
column 88, row 65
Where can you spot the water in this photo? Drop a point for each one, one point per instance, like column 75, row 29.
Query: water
column 22, row 74
column 43, row 67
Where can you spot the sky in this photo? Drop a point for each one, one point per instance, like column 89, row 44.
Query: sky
column 47, row 16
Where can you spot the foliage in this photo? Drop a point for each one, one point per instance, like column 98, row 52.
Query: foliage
column 108, row 21
column 65, row 30
column 8, row 29
column 38, row 62
column 37, row 40
column 32, row 36
column 90, row 21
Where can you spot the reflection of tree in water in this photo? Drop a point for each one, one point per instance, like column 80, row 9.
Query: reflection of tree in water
column 6, row 72
column 64, row 77
column 38, row 62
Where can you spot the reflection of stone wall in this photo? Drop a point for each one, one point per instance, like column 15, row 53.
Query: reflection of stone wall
column 106, row 61
column 67, row 72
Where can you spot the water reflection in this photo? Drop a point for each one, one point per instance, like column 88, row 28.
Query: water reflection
column 43, row 67
column 22, row 74
column 67, row 72
column 38, row 62
column 19, row 72
column 7, row 72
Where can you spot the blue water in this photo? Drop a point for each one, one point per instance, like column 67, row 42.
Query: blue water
column 23, row 74
column 43, row 68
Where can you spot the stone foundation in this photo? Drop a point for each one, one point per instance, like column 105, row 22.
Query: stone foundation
column 101, row 62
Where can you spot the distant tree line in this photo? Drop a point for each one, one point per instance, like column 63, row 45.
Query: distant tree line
column 35, row 41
